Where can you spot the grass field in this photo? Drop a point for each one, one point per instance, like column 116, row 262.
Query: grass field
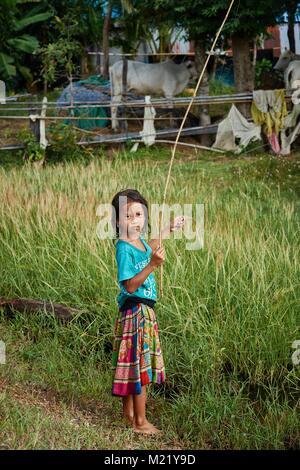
column 227, row 319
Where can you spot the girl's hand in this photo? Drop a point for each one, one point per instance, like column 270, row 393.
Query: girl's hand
column 178, row 222
column 158, row 257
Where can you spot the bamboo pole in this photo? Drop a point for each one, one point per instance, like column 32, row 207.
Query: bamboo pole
column 179, row 132
column 185, row 144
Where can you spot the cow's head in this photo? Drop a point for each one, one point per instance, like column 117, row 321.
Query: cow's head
column 192, row 69
column 285, row 58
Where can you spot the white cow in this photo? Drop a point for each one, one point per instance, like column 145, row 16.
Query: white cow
column 291, row 74
column 163, row 79
column 285, row 58
column 289, row 64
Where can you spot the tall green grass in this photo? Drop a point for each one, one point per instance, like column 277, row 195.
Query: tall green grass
column 228, row 316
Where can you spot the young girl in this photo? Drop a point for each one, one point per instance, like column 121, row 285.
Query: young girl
column 137, row 357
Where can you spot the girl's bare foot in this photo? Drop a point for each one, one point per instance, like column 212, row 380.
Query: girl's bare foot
column 146, row 428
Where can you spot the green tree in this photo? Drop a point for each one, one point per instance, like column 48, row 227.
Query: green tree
column 61, row 55
column 76, row 26
column 15, row 18
column 202, row 18
column 121, row 6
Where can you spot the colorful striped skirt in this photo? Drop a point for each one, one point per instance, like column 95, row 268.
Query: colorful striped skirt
column 137, row 357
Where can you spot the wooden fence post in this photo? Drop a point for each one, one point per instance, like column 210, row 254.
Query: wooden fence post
column 38, row 126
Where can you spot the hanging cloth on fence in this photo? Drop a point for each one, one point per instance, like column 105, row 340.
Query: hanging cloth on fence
column 148, row 133
column 269, row 111
column 235, row 126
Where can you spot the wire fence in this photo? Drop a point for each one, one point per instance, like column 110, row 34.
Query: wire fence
column 200, row 100
column 31, row 109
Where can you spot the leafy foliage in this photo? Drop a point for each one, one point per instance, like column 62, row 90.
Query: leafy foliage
column 262, row 66
column 15, row 16
column 203, row 17
column 63, row 52
column 33, row 151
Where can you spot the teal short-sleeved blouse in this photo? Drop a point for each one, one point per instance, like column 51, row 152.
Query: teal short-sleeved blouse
column 130, row 261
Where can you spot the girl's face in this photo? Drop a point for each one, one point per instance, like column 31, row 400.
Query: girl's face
column 131, row 220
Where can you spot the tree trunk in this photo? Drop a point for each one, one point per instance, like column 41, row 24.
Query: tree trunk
column 291, row 8
column 243, row 68
column 105, row 43
column 291, row 36
column 203, row 111
column 84, row 66
column 214, row 68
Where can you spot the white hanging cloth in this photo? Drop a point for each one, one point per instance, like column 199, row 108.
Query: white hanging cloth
column 148, row 133
column 235, row 125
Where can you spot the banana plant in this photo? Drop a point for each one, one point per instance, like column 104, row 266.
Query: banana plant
column 15, row 17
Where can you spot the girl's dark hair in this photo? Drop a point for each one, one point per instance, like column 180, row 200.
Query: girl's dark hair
column 132, row 196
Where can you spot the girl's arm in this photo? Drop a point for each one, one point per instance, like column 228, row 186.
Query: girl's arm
column 174, row 224
column 131, row 285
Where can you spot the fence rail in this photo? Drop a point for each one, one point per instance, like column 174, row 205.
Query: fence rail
column 157, row 103
column 203, row 100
